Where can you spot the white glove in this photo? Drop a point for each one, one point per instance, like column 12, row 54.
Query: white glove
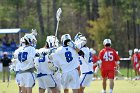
column 137, row 65
column 14, row 60
column 71, row 44
column 36, row 64
column 118, row 62
column 99, row 62
column 12, row 67
column 52, row 67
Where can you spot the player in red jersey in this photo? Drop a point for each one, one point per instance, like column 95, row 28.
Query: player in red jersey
column 95, row 60
column 109, row 57
column 136, row 63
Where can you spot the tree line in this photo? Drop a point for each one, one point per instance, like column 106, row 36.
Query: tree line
column 118, row 20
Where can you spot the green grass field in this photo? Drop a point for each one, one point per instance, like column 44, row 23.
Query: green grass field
column 121, row 86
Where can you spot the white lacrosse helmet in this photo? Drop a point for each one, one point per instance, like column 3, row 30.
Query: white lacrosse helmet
column 106, row 41
column 30, row 39
column 136, row 50
column 92, row 51
column 52, row 41
column 64, row 38
column 83, row 39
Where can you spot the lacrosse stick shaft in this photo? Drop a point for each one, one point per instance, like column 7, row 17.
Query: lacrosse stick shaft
column 56, row 29
column 119, row 72
column 59, row 11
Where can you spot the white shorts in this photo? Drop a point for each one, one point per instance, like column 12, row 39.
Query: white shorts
column 57, row 78
column 70, row 80
column 46, row 81
column 18, row 78
column 85, row 79
column 27, row 79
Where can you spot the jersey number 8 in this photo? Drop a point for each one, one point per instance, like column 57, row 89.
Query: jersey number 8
column 68, row 56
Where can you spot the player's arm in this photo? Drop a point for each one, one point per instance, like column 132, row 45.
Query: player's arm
column 80, row 52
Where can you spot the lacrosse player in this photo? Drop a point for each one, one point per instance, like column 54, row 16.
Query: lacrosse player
column 136, row 63
column 86, row 65
column 96, row 62
column 45, row 77
column 26, row 66
column 108, row 56
column 15, row 63
column 67, row 59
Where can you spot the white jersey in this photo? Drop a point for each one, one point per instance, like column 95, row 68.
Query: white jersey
column 26, row 58
column 66, row 58
column 16, row 57
column 86, row 64
column 42, row 67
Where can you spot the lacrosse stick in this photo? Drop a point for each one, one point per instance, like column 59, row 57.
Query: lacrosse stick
column 34, row 32
column 120, row 73
column 58, row 13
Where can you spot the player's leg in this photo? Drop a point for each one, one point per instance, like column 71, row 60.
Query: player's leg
column 66, row 90
column 41, row 90
column 19, row 89
column 81, row 90
column 104, row 85
column 3, row 74
column 8, row 73
column 23, row 90
column 75, row 90
column 29, row 89
column 111, row 75
column 111, row 85
column 49, row 90
column 104, row 77
column 54, row 90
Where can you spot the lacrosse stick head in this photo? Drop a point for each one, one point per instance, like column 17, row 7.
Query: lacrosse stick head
column 59, row 11
column 34, row 32
column 130, row 52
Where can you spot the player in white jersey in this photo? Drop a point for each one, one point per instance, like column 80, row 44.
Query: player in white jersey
column 67, row 59
column 86, row 65
column 53, row 42
column 26, row 67
column 45, row 76
column 15, row 62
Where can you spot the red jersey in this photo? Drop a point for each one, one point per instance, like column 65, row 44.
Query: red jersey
column 108, row 56
column 135, row 59
column 94, row 60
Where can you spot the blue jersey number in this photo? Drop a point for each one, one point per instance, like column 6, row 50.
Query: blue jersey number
column 22, row 56
column 68, row 56
column 41, row 59
column 90, row 57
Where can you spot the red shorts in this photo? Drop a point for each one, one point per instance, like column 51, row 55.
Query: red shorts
column 108, row 74
column 136, row 68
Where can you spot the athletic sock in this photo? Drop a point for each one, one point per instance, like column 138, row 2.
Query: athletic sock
column 111, row 91
column 103, row 91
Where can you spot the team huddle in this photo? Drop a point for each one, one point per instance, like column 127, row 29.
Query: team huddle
column 56, row 67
